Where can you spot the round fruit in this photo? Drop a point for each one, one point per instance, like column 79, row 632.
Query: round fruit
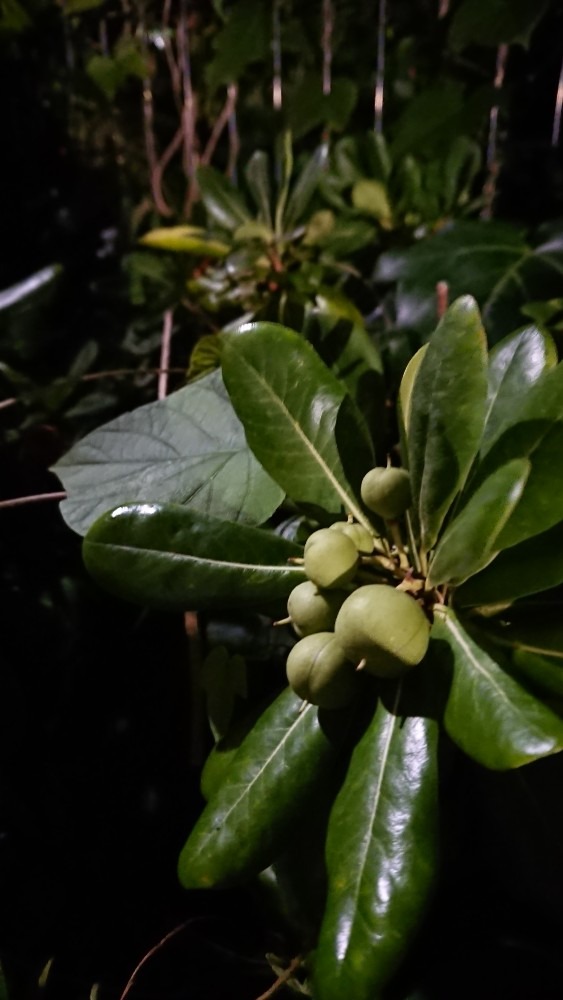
column 386, row 491
column 331, row 559
column 312, row 610
column 319, row 672
column 383, row 626
column 357, row 533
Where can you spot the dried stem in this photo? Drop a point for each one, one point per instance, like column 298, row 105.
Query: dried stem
column 557, row 112
column 380, row 69
column 234, row 138
column 220, row 124
column 153, row 951
column 493, row 165
column 326, row 42
column 155, row 174
column 282, row 978
column 173, row 67
column 188, row 103
column 277, row 91
column 34, row 498
column 165, row 353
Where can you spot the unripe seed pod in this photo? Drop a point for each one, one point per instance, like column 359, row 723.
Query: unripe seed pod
column 357, row 533
column 386, row 491
column 330, row 558
column 319, row 672
column 383, row 626
column 313, row 610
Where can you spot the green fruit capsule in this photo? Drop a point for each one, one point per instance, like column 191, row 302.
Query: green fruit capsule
column 386, row 491
column 319, row 672
column 384, row 627
column 313, row 610
column 331, row 559
column 359, row 535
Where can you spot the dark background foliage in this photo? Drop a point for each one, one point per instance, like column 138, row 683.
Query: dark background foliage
column 98, row 779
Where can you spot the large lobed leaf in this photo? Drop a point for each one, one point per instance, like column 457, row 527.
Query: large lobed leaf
column 447, row 412
column 298, row 418
column 188, row 448
column 247, row 823
column 381, row 857
column 166, row 556
column 488, row 714
column 490, row 260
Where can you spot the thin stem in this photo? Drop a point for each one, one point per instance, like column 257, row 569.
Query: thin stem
column 443, row 9
column 398, row 541
column 442, row 296
column 34, row 498
column 234, row 138
column 380, row 69
column 277, row 93
column 493, row 165
column 149, row 955
column 155, row 175
column 282, row 978
column 173, row 67
column 165, row 354
column 558, row 107
column 188, row 106
column 221, row 123
column 4, row 403
column 326, row 42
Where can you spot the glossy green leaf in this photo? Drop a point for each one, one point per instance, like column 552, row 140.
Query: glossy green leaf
column 223, row 203
column 305, row 187
column 489, row 260
column 165, row 556
column 257, row 174
column 535, row 433
column 289, row 403
column 185, row 239
column 246, row 824
column 405, row 397
column 447, row 414
column 381, row 857
column 488, row 714
column 515, row 364
column 494, row 22
column 470, row 542
column 188, row 448
column 527, row 568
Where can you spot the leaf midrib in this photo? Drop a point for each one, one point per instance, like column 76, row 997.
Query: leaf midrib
column 165, row 554
column 349, row 503
column 302, row 714
column 451, row 625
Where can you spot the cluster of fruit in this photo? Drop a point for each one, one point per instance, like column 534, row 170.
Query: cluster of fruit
column 345, row 626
